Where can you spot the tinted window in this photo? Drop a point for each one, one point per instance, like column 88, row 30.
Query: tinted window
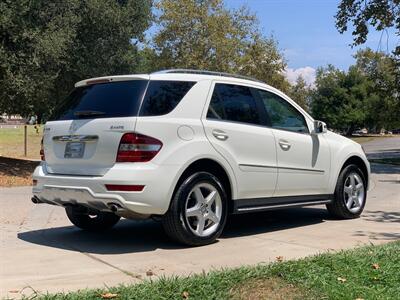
column 233, row 103
column 163, row 96
column 282, row 114
column 105, row 100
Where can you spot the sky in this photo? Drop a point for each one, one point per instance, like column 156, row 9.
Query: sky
column 306, row 33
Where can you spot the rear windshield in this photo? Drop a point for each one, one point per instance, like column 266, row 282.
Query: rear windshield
column 122, row 99
column 105, row 100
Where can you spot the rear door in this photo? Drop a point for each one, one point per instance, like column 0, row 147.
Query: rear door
column 84, row 134
column 234, row 127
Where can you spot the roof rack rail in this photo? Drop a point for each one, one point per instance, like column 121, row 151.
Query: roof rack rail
column 205, row 72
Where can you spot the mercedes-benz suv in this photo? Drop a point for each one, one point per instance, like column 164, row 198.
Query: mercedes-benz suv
column 188, row 148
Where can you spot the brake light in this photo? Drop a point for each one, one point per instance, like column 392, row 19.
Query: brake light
column 42, row 156
column 97, row 81
column 135, row 147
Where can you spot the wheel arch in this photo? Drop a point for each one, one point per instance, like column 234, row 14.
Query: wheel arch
column 213, row 167
column 359, row 162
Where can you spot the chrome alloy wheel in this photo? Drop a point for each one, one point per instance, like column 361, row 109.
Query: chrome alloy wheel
column 353, row 192
column 203, row 209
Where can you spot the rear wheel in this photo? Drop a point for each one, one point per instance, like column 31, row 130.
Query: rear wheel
column 198, row 210
column 350, row 194
column 96, row 221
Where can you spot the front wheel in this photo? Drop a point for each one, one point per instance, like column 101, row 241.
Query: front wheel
column 97, row 221
column 198, row 210
column 350, row 194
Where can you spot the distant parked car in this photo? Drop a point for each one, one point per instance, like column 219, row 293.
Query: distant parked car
column 188, row 148
column 396, row 131
column 360, row 131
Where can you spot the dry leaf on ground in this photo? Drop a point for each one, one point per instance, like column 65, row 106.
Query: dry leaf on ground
column 341, row 279
column 185, row 295
column 109, row 296
column 150, row 273
column 375, row 266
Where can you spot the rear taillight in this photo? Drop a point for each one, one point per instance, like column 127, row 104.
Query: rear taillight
column 135, row 147
column 42, row 157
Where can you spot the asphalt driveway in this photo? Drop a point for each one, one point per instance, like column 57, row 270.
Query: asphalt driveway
column 41, row 251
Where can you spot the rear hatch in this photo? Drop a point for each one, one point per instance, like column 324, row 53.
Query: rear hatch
column 84, row 133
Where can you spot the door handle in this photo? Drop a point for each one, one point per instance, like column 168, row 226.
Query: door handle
column 220, row 135
column 285, row 145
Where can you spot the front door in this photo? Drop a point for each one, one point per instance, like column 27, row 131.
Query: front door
column 303, row 158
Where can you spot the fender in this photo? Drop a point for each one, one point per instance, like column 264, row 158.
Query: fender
column 342, row 150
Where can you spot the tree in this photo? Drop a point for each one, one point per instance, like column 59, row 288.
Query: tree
column 206, row 35
column 380, row 69
column 300, row 92
column 47, row 46
column 340, row 98
column 381, row 14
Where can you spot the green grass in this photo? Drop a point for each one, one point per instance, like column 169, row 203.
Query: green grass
column 12, row 142
column 311, row 278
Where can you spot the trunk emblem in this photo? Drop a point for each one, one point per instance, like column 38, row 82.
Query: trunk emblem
column 116, row 127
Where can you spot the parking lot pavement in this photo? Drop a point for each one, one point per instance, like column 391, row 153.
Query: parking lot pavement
column 41, row 251
column 383, row 147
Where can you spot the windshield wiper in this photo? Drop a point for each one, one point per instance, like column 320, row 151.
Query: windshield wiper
column 88, row 113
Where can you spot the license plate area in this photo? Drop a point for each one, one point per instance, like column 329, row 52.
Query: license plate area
column 74, row 150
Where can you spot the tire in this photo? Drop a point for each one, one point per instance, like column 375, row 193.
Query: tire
column 97, row 222
column 350, row 194
column 197, row 219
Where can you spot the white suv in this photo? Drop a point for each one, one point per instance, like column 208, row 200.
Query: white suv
column 190, row 147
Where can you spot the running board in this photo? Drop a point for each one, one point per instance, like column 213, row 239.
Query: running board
column 262, row 204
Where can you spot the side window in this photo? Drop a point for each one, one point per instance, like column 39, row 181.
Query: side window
column 233, row 103
column 282, row 114
column 163, row 96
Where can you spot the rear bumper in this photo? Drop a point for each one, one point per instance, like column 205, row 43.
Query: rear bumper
column 90, row 191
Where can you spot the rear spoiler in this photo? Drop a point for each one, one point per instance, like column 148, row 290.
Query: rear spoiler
column 106, row 79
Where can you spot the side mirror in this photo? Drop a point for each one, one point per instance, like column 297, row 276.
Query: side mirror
column 319, row 127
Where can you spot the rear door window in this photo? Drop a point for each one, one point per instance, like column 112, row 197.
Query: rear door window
column 163, row 96
column 233, row 103
column 104, row 100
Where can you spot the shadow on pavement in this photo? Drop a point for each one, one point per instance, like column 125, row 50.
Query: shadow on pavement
column 384, row 153
column 382, row 217
column 270, row 221
column 142, row 236
column 381, row 236
column 384, row 169
column 390, row 181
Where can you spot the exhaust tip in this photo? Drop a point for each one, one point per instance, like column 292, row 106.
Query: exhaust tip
column 114, row 207
column 36, row 200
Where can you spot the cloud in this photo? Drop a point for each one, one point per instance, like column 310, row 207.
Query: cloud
column 308, row 73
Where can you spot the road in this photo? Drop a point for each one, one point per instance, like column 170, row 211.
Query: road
column 40, row 251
